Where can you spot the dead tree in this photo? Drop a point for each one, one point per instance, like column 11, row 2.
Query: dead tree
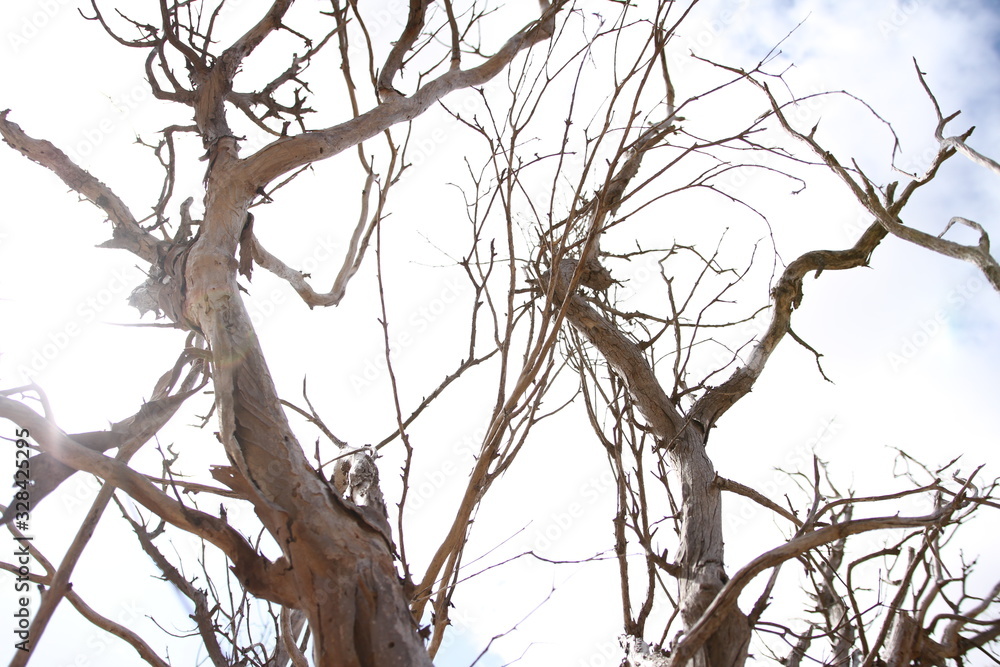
column 556, row 206
column 337, row 563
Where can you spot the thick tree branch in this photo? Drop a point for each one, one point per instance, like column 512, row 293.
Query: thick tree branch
column 233, row 56
column 700, row 554
column 757, row 497
column 623, row 355
column 127, row 232
column 785, row 297
column 287, row 154
column 394, row 61
column 261, row 577
column 714, row 615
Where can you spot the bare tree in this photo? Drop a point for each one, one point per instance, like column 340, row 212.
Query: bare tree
column 584, row 139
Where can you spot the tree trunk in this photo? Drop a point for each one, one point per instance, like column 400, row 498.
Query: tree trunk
column 701, row 552
column 343, row 565
column 700, row 557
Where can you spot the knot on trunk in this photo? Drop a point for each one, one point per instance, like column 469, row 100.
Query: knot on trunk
column 595, row 276
column 592, row 275
column 163, row 291
column 355, row 479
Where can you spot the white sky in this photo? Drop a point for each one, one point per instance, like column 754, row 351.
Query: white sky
column 61, row 299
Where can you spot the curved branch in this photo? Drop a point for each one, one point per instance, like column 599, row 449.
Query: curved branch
column 956, row 143
column 202, row 615
column 715, row 614
column 787, row 294
column 128, row 235
column 978, row 254
column 786, row 297
column 289, row 153
column 622, row 354
column 352, row 261
column 394, row 61
column 149, row 40
column 117, row 629
column 245, row 45
column 180, row 94
column 170, row 24
column 756, row 496
column 260, row 576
